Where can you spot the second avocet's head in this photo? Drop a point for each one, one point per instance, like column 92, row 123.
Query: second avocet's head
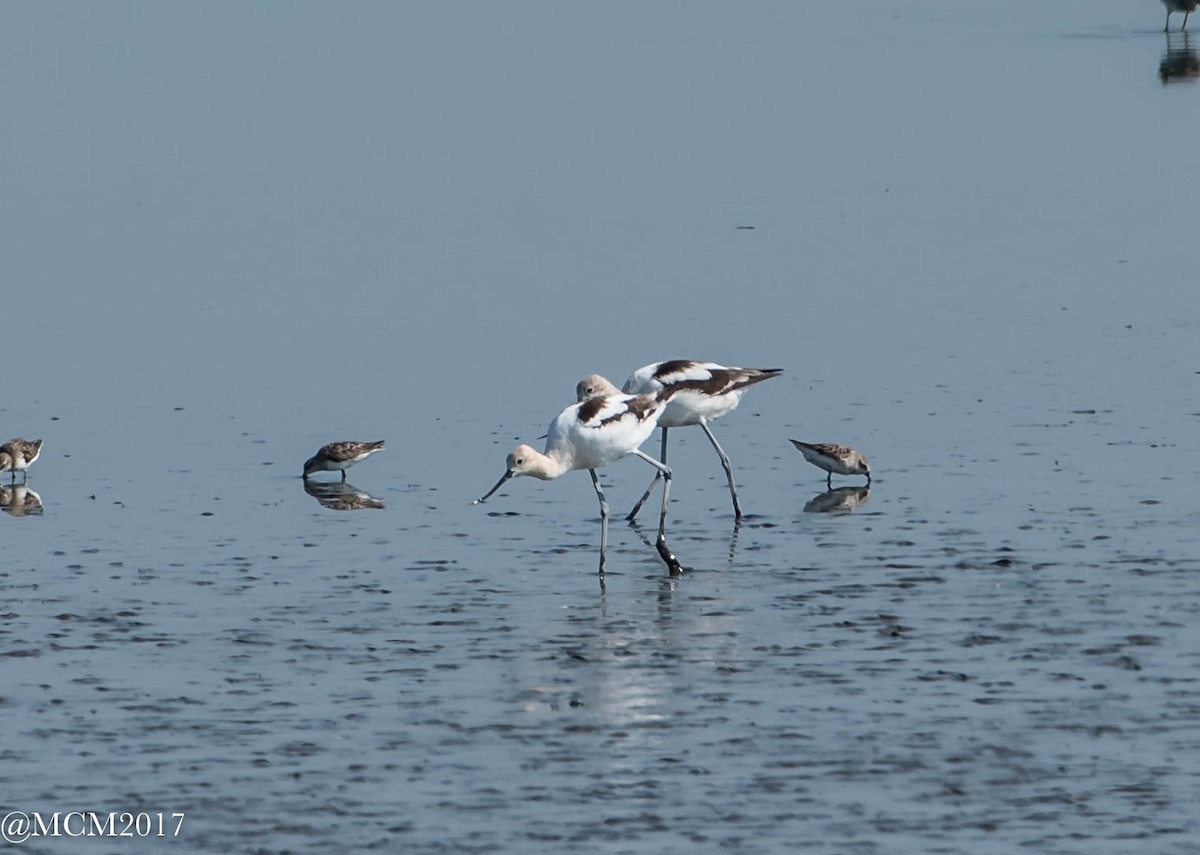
column 594, row 386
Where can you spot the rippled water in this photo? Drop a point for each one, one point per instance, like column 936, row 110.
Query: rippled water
column 247, row 236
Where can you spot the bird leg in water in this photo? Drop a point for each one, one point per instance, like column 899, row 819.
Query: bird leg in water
column 603, row 519
column 632, row 515
column 725, row 464
column 664, row 552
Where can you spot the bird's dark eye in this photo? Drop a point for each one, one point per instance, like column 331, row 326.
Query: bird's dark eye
column 520, row 460
column 591, row 390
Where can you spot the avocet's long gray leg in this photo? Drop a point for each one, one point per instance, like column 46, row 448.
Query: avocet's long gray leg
column 664, row 553
column 603, row 519
column 737, row 509
column 646, row 495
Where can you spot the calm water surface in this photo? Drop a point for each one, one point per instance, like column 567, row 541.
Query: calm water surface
column 238, row 233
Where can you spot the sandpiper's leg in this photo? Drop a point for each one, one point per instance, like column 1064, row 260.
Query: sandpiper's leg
column 343, row 476
column 1183, row 29
column 829, row 480
column 664, row 553
column 603, row 519
column 868, row 479
column 737, row 510
column 646, row 495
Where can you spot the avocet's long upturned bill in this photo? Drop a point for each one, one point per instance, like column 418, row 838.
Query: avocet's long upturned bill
column 1184, row 6
column 700, row 392
column 588, row 435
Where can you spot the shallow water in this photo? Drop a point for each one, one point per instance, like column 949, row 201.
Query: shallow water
column 235, row 237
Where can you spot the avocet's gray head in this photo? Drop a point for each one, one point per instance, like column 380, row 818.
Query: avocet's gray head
column 594, row 386
column 522, row 460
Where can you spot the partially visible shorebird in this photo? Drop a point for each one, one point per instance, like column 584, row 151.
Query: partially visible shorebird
column 590, row 434
column 839, row 459
column 340, row 456
column 700, row 393
column 1184, row 6
column 17, row 455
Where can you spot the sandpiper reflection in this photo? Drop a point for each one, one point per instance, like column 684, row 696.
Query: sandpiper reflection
column 341, row 496
column 842, row 500
column 1179, row 62
column 17, row 500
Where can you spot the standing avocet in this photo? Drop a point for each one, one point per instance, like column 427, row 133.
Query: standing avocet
column 588, row 435
column 700, row 392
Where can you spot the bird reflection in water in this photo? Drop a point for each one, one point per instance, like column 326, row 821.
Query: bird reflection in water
column 1179, row 63
column 17, row 500
column 843, row 500
column 341, row 496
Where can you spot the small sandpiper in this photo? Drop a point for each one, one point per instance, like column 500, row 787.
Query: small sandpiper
column 340, row 456
column 17, row 455
column 832, row 458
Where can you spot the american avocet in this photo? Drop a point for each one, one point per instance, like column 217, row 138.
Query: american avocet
column 588, row 435
column 17, row 455
column 701, row 392
column 834, row 458
column 1184, row 6
column 340, row 456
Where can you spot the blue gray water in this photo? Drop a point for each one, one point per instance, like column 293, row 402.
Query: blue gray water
column 232, row 233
